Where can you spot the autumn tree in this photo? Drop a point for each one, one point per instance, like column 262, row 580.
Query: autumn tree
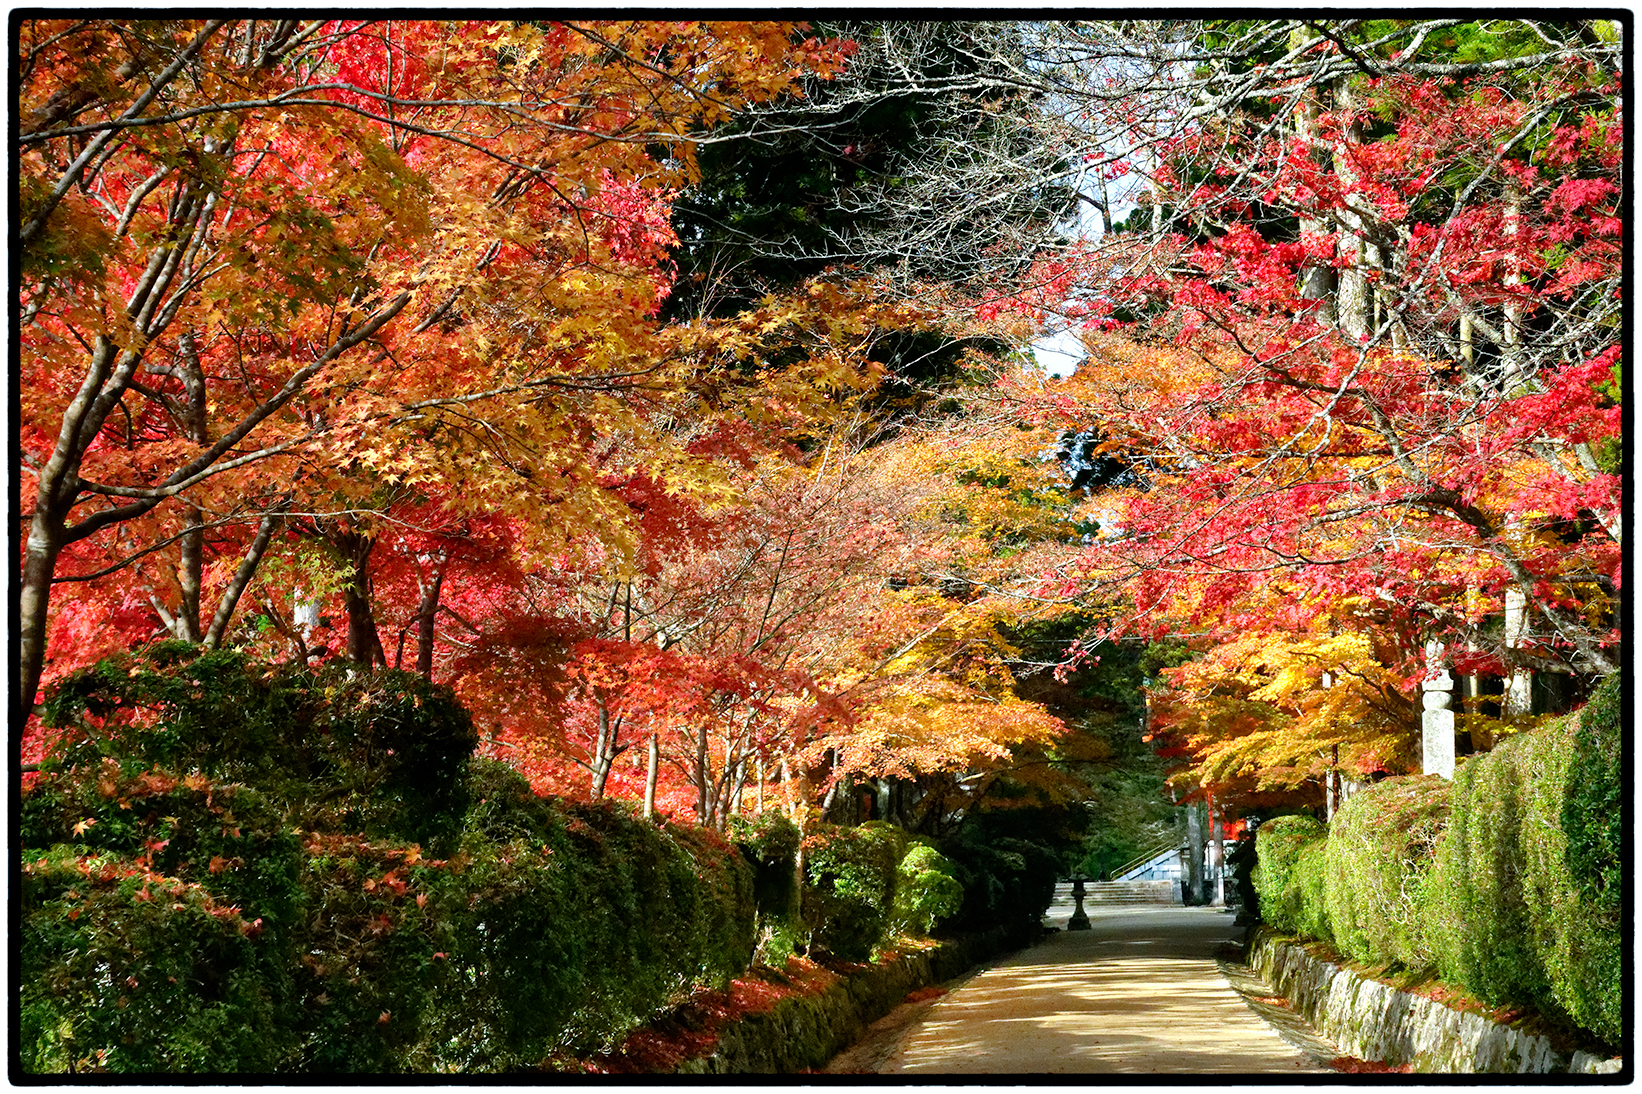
column 1370, row 322
column 277, row 264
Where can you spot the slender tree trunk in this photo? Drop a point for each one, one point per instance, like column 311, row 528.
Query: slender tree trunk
column 191, row 565
column 426, row 611
column 1194, row 859
column 704, row 782
column 242, row 577
column 1217, row 840
column 650, row 777
column 605, row 749
column 39, row 564
column 1513, row 352
column 1317, row 278
column 1352, row 304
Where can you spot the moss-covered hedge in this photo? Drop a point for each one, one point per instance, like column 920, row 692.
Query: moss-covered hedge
column 1381, row 847
column 236, row 867
column 1279, row 845
column 1503, row 882
column 333, row 884
column 1513, row 920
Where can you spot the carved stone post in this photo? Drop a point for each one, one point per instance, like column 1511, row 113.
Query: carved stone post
column 1080, row 918
column 1438, row 740
column 1519, row 686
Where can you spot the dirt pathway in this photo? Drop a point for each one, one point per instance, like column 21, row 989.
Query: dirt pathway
column 1140, row 993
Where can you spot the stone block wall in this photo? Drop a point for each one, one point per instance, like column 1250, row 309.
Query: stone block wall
column 1374, row 1021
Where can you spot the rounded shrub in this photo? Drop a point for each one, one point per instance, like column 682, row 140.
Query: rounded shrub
column 849, row 888
column 1481, row 925
column 342, row 748
column 1278, row 847
column 927, row 890
column 174, row 705
column 727, row 916
column 1381, row 847
column 1577, row 933
column 366, row 968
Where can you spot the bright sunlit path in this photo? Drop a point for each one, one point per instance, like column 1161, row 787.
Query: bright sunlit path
column 1139, row 993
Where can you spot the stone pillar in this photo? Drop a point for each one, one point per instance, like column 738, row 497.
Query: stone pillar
column 1194, row 862
column 1519, row 686
column 1438, row 741
column 1217, row 855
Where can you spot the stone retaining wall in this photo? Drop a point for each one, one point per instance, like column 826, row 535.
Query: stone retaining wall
column 1374, row 1021
column 805, row 1031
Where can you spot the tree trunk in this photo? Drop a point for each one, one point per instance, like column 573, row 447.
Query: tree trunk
column 1194, row 854
column 1218, row 853
column 704, row 788
column 426, row 611
column 606, row 748
column 1514, row 356
column 650, row 777
column 364, row 644
column 1352, row 306
column 40, row 562
column 1317, row 278
column 190, row 564
column 242, row 578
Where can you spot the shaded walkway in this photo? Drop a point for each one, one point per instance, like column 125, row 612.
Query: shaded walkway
column 1140, row 993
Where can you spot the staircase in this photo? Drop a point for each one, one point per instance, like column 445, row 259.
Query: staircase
column 1111, row 894
column 1098, row 894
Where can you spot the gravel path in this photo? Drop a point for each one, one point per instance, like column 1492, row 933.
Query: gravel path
column 1141, row 993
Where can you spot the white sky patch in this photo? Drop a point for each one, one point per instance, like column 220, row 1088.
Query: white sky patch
column 1059, row 353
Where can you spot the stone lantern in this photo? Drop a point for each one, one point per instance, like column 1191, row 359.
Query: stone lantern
column 1080, row 919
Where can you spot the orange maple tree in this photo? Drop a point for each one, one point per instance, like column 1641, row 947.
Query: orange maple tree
column 278, row 267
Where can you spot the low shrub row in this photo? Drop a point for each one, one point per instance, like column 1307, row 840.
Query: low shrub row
column 1504, row 882
column 230, row 867
column 240, row 945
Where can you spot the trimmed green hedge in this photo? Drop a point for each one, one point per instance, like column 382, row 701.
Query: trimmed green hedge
column 1279, row 844
column 1514, row 921
column 1381, row 847
column 266, row 905
column 239, row 946
column 1593, row 816
column 235, row 867
column 849, row 887
column 1503, row 882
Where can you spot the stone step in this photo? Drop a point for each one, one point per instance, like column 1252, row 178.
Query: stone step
column 1129, row 892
